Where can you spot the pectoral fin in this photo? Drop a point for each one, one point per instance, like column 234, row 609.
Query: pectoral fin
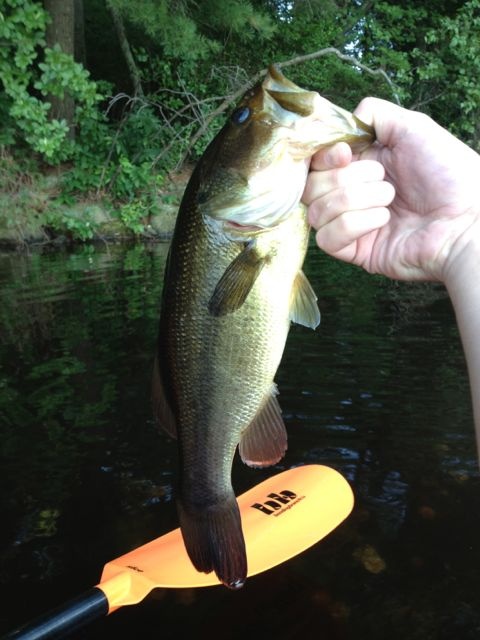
column 162, row 411
column 264, row 442
column 234, row 286
column 303, row 304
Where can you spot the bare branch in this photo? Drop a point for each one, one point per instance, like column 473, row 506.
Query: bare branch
column 419, row 104
column 345, row 58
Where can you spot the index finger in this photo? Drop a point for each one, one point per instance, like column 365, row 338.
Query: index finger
column 332, row 157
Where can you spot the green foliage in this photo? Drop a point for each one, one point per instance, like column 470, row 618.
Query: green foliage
column 119, row 164
column 431, row 51
column 61, row 75
column 189, row 56
column 189, row 30
column 37, row 73
column 453, row 75
column 133, row 216
column 68, row 222
column 105, row 160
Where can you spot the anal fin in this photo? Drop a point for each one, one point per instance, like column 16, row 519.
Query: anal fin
column 264, row 441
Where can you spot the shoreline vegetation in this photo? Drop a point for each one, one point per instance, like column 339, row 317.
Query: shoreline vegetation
column 103, row 102
column 33, row 212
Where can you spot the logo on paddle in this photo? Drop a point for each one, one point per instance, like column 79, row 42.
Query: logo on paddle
column 133, row 568
column 278, row 503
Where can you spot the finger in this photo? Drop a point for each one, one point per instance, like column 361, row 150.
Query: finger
column 341, row 234
column 319, row 183
column 354, row 197
column 337, row 155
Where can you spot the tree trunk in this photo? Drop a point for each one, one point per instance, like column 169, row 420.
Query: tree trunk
column 127, row 52
column 61, row 31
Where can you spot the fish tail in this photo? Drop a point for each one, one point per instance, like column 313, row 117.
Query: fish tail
column 214, row 540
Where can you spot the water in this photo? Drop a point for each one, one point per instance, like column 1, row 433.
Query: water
column 379, row 392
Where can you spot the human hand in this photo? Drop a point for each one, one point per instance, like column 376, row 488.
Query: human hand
column 407, row 207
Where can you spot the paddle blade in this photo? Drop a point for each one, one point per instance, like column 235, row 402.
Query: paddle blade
column 300, row 507
column 281, row 517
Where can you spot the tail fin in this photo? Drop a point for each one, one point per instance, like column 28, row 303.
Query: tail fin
column 214, row 540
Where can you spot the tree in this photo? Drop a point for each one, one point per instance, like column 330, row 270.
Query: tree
column 126, row 49
column 431, row 51
column 191, row 30
column 176, row 68
column 39, row 74
column 60, row 32
column 451, row 71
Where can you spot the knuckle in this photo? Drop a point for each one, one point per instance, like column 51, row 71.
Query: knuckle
column 346, row 196
column 344, row 223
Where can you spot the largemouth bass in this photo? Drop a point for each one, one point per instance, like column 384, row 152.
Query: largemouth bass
column 233, row 283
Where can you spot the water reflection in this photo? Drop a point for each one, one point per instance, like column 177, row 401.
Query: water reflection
column 379, row 392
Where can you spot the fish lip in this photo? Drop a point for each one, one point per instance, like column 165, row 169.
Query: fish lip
column 365, row 127
column 338, row 122
column 236, row 226
column 275, row 80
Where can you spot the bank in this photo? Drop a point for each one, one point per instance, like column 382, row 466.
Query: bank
column 34, row 211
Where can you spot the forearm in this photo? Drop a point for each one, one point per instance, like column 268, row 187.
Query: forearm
column 463, row 285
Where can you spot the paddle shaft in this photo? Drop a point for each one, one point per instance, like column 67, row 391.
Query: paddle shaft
column 66, row 619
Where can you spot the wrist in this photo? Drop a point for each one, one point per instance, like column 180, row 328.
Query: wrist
column 461, row 270
column 463, row 284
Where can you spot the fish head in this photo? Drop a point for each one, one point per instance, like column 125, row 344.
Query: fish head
column 254, row 172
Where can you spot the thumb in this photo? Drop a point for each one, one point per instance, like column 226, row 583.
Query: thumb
column 385, row 117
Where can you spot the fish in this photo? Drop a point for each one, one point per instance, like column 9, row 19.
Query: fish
column 233, row 284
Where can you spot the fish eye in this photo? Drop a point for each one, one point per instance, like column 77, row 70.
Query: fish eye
column 241, row 115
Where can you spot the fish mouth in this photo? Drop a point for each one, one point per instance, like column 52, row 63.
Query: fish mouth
column 287, row 94
column 236, row 226
column 317, row 116
column 289, row 125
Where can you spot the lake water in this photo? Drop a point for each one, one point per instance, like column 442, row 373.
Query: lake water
column 379, row 392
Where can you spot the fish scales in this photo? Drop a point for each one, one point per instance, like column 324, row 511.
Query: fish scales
column 220, row 392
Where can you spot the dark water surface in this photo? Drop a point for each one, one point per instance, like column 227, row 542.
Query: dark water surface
column 379, row 392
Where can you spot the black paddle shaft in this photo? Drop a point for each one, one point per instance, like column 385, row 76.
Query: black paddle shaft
column 60, row 622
